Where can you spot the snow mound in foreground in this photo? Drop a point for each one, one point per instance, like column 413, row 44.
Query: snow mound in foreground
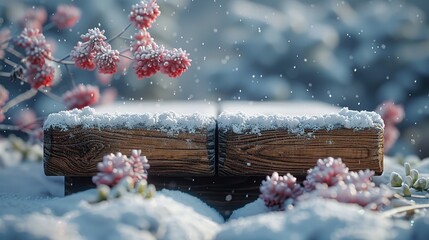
column 315, row 219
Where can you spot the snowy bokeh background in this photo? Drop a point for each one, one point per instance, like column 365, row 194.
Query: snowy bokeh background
column 353, row 54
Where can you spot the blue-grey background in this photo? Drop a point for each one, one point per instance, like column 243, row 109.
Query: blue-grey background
column 355, row 54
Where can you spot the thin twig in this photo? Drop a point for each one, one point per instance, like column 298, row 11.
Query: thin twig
column 125, row 56
column 395, row 211
column 62, row 61
column 48, row 26
column 120, row 33
column 5, row 74
column 51, row 95
column 11, row 63
column 70, row 76
column 14, row 52
column 20, row 98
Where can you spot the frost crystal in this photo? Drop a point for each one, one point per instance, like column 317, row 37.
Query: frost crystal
column 116, row 167
column 143, row 14
column 81, row 96
column 66, row 16
column 275, row 190
column 175, row 62
column 328, row 171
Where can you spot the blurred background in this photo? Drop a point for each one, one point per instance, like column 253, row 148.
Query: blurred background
column 354, row 54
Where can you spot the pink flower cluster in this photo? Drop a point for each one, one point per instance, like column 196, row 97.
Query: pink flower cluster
column 329, row 179
column 116, row 167
column 392, row 115
column 275, row 190
column 66, row 16
column 81, row 96
column 149, row 58
column 37, row 52
column 95, row 51
column 34, row 18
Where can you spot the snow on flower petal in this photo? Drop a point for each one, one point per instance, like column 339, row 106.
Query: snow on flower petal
column 35, row 46
column 116, row 167
column 329, row 171
column 83, row 56
column 175, row 62
column 147, row 60
column 275, row 190
column 81, row 96
column 66, row 16
column 143, row 14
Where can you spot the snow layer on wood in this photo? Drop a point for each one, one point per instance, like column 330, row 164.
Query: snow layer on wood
column 170, row 122
column 291, row 108
column 242, row 122
column 179, row 107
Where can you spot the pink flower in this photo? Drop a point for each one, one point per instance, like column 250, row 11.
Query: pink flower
column 328, row 171
column 81, row 96
column 275, row 190
column 40, row 76
column 372, row 198
column 26, row 120
column 107, row 60
column 391, row 113
column 142, row 38
column 144, row 13
column 175, row 62
column 115, row 167
column 4, row 40
column 34, row 18
column 147, row 60
column 361, row 180
column 66, row 16
column 36, row 48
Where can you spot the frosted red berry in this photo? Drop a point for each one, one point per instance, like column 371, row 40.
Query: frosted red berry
column 175, row 62
column 107, row 60
column 81, row 96
column 147, row 61
column 66, row 16
column 143, row 14
column 40, row 76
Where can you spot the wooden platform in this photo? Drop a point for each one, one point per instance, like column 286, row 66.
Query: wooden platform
column 215, row 162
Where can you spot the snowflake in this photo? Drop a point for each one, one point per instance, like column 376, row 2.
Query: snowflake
column 107, row 60
column 329, row 171
column 116, row 167
column 81, row 96
column 144, row 13
column 175, row 62
column 40, row 76
column 275, row 190
column 147, row 60
column 66, row 16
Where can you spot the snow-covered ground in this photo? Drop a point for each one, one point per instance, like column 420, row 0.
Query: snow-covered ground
column 32, row 206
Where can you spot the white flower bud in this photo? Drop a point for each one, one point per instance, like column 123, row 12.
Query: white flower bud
column 406, row 190
column 414, row 175
column 407, row 169
column 420, row 184
column 395, row 179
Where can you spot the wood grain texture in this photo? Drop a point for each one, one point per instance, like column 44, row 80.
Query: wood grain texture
column 225, row 194
column 77, row 151
column 278, row 150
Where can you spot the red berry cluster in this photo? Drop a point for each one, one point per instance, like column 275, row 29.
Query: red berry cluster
column 149, row 58
column 37, row 52
column 81, row 96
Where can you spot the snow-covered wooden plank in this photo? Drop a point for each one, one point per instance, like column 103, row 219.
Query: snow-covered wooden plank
column 258, row 140
column 75, row 141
